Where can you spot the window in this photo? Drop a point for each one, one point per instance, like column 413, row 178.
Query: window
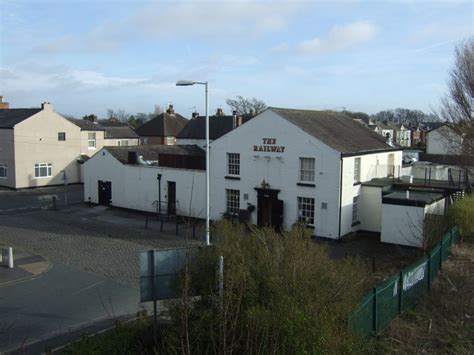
column 3, row 171
column 357, row 169
column 306, row 210
column 122, row 143
column 355, row 205
column 43, row 170
column 233, row 201
column 233, row 163
column 61, row 136
column 169, row 140
column 307, row 169
column 91, row 140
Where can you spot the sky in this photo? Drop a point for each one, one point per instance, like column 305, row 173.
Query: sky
column 87, row 56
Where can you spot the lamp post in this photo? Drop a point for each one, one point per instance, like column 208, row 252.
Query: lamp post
column 205, row 83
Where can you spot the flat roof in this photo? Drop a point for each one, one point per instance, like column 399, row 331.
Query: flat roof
column 415, row 198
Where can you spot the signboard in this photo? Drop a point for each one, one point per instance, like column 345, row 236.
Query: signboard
column 159, row 271
column 411, row 278
column 269, row 145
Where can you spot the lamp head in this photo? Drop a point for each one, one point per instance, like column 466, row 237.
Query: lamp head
column 185, row 83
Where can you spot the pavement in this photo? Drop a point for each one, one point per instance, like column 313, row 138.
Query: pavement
column 24, row 200
column 26, row 267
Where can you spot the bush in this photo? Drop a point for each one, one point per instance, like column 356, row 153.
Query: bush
column 461, row 213
column 282, row 294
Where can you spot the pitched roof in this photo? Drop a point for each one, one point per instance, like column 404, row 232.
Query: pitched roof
column 336, row 130
column 218, row 126
column 151, row 152
column 112, row 129
column 87, row 125
column 165, row 124
column 124, row 131
column 10, row 117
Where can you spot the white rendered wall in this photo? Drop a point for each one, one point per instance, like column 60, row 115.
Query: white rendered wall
column 370, row 208
column 136, row 187
column 280, row 170
column 402, row 225
column 371, row 166
column 443, row 141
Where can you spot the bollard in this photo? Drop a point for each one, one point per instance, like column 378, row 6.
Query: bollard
column 10, row 258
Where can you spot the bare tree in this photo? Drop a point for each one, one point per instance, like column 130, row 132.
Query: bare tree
column 120, row 115
column 245, row 106
column 457, row 106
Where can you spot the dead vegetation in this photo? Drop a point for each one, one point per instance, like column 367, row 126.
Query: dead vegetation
column 443, row 320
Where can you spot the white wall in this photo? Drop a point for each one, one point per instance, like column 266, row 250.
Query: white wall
column 437, row 208
column 443, row 141
column 136, row 187
column 370, row 208
column 402, row 225
column 371, row 166
column 280, row 170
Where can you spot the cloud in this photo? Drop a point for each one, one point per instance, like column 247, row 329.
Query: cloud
column 198, row 20
column 340, row 38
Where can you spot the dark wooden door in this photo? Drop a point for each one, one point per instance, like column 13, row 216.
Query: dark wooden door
column 105, row 192
column 277, row 214
column 171, row 197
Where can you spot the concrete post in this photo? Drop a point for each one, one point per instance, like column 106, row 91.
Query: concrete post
column 10, row 258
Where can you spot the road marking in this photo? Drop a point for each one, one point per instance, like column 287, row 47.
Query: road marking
column 88, row 287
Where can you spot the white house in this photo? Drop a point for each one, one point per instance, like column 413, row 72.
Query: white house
column 443, row 140
column 286, row 166
column 145, row 177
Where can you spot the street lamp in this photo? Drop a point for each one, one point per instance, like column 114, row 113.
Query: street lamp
column 189, row 83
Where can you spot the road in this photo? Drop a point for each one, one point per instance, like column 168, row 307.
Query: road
column 30, row 199
column 59, row 302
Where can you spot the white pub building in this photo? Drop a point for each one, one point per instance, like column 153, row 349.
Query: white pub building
column 286, row 166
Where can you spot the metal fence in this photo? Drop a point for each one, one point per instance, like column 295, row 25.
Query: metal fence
column 402, row 291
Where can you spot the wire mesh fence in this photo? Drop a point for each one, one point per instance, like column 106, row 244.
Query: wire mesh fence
column 392, row 297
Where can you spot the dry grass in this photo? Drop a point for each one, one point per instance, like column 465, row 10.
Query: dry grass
column 443, row 321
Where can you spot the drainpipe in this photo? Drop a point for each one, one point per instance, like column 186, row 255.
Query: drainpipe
column 159, row 193
column 340, row 198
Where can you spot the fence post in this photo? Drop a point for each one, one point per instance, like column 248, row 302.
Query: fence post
column 374, row 309
column 400, row 293
column 429, row 271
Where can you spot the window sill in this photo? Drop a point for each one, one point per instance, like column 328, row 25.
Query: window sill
column 357, row 183
column 308, row 184
column 41, row 177
column 310, row 226
column 229, row 177
column 355, row 223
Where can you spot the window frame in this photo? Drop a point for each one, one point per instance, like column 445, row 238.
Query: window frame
column 305, row 214
column 233, row 164
column 357, row 174
column 306, row 174
column 355, row 209
column 47, row 166
column 168, row 140
column 4, row 168
column 121, row 141
column 232, row 198
column 61, row 135
column 93, row 140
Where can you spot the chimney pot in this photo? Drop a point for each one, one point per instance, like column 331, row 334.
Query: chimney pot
column 220, row 112
column 195, row 114
column 47, row 106
column 4, row 105
column 170, row 109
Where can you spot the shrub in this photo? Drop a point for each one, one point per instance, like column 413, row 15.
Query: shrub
column 282, row 294
column 461, row 213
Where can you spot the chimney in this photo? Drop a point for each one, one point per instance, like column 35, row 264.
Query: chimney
column 4, row 105
column 132, row 158
column 195, row 114
column 47, row 106
column 170, row 109
column 389, row 139
column 92, row 118
column 251, row 113
column 220, row 112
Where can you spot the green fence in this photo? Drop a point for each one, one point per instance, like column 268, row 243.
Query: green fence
column 402, row 291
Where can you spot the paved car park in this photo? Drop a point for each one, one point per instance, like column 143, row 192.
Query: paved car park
column 93, row 253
